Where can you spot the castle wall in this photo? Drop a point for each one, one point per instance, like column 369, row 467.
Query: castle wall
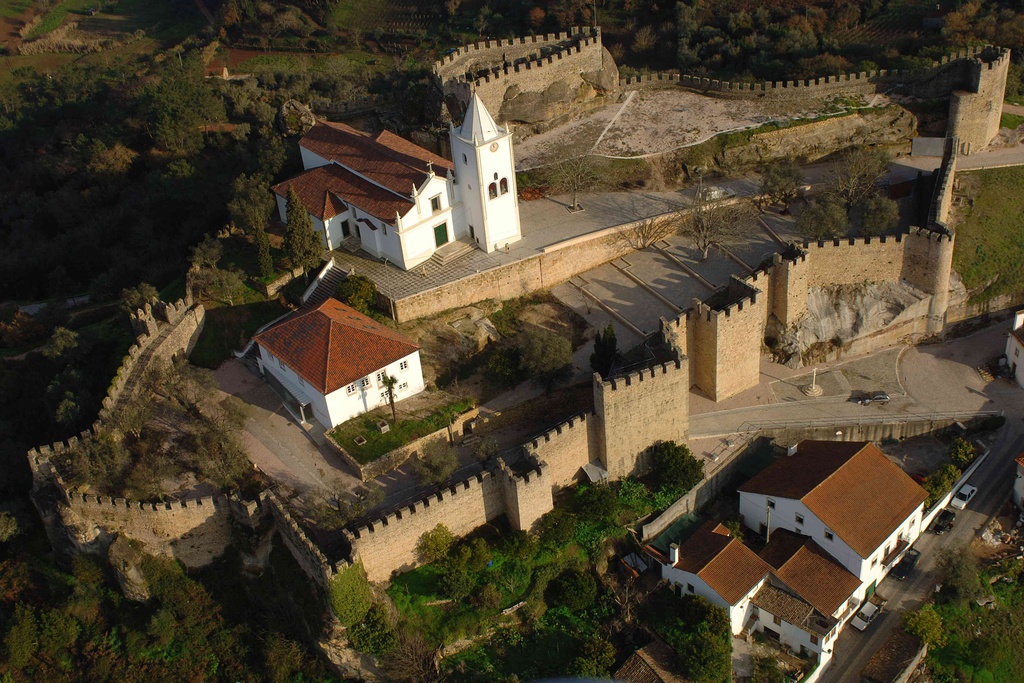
column 308, row 556
column 566, row 448
column 527, row 497
column 975, row 110
column 787, row 291
column 637, row 410
column 855, row 260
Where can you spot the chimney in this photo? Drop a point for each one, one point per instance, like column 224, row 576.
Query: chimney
column 673, row 553
column 791, row 450
column 1018, row 320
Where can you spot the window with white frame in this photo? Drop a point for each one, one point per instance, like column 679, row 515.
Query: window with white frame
column 350, row 389
column 771, row 504
column 435, row 203
column 798, row 517
column 364, row 382
column 302, row 383
column 404, row 365
column 689, row 587
column 380, row 376
column 403, row 386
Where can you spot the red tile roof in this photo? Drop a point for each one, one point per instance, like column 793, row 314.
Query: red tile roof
column 730, row 568
column 387, row 160
column 861, row 495
column 1020, row 459
column 1018, row 334
column 655, row 663
column 808, row 569
column 333, row 345
column 323, row 189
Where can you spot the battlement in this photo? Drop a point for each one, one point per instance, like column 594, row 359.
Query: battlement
column 86, row 499
column 635, row 377
column 853, row 242
column 931, row 235
column 727, row 300
column 868, row 81
column 578, row 420
column 497, row 73
column 586, row 35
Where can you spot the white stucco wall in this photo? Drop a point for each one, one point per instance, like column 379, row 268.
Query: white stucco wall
column 753, row 509
column 342, row 405
column 1015, row 359
column 1018, row 487
column 311, row 160
column 737, row 613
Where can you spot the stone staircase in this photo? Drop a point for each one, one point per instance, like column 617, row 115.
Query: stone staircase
column 453, row 251
column 326, row 288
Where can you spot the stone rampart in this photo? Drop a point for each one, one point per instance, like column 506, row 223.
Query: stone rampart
column 854, row 260
column 527, row 80
column 637, row 409
column 309, row 557
column 975, row 108
column 565, row 448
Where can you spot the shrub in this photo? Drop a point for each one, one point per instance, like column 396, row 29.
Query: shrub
column 437, row 463
column 574, row 589
column 374, row 634
column 504, row 366
column 926, row 624
column 557, row 528
column 675, row 467
column 351, row 595
column 962, row 453
column 359, row 292
column 488, row 597
column 596, row 656
column 939, row 483
column 595, row 502
column 434, row 545
column 456, row 581
column 823, row 219
column 545, row 356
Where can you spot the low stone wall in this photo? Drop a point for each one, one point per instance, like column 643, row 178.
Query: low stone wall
column 392, row 460
column 275, row 286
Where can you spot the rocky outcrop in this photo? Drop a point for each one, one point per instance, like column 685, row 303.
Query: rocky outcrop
column 125, row 559
column 294, row 118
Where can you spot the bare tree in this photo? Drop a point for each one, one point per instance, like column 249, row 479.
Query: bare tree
column 644, row 233
column 854, row 176
column 411, row 660
column 574, row 175
column 710, row 222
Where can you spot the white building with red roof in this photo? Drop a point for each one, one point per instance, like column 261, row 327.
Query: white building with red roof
column 400, row 202
column 1018, row 484
column 329, row 363
column 1015, row 348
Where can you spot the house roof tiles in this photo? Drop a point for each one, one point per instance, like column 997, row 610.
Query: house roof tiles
column 324, row 189
column 654, row 663
column 730, row 568
column 387, row 160
column 852, row 487
column 332, row 345
column 808, row 569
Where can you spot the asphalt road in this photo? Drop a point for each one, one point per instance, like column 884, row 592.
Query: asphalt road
column 994, row 479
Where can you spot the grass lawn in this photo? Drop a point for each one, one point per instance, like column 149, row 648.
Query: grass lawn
column 401, row 433
column 990, row 238
column 55, row 17
column 1011, row 121
column 13, row 8
column 228, row 328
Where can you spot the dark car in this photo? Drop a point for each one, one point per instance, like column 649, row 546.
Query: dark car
column 864, row 398
column 906, row 565
column 944, row 522
column 879, row 397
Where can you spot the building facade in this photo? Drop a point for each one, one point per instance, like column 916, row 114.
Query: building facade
column 330, row 363
column 1015, row 349
column 397, row 201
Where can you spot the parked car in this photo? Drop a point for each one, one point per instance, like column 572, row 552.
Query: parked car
column 865, row 398
column 963, row 496
column 944, row 522
column 868, row 613
column 879, row 397
column 902, row 570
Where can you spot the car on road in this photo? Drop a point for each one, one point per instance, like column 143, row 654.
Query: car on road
column 963, row 496
column 714, row 192
column 902, row 570
column 868, row 613
column 943, row 523
column 864, row 398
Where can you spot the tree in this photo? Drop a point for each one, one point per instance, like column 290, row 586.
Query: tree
column 62, row 342
column 962, row 453
column 435, row 544
column 350, row 595
column 823, row 219
column 263, row 257
column 436, row 463
column 8, row 526
column 959, row 569
column 647, row 232
column 675, row 467
column 711, row 221
column 606, row 352
column 134, row 298
column 207, row 253
column 390, row 383
column 854, row 175
column 574, row 174
column 926, row 624
column 878, row 214
column 411, row 660
column 574, row 588
column 487, row 448
column 595, row 659
column 780, row 182
column 699, row 633
column 359, row 292
column 767, row 670
column 301, row 242
column 456, row 581
column 545, row 355
column 939, row 483
column 251, row 201
column 375, row 634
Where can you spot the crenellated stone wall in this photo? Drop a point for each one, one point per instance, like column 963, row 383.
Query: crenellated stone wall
column 566, row 448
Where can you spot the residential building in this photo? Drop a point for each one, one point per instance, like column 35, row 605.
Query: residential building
column 847, row 496
column 1015, row 348
column 329, row 363
column 397, row 201
column 653, row 663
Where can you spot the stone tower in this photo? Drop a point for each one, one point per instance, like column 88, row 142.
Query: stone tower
column 485, row 175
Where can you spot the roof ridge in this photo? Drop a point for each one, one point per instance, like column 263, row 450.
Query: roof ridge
column 330, row 334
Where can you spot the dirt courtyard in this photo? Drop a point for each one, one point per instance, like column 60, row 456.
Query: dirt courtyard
column 657, row 120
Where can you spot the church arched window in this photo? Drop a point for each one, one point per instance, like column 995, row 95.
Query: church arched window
column 504, row 185
column 492, row 190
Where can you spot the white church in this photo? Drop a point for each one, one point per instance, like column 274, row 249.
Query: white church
column 400, row 202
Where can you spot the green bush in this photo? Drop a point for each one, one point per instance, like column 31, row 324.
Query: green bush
column 939, row 483
column 675, row 467
column 434, row 545
column 962, row 453
column 351, row 595
column 926, row 624
column 574, row 589
column 374, row 635
column 359, row 292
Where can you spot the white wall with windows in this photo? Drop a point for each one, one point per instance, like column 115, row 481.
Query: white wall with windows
column 357, row 398
column 1015, row 350
column 685, row 582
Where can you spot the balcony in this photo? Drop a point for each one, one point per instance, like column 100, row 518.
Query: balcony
column 901, row 546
